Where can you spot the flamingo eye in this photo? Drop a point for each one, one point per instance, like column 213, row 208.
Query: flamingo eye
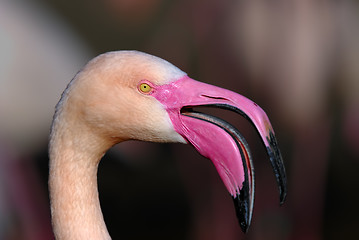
column 145, row 88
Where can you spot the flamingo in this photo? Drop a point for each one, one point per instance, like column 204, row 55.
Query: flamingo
column 127, row 95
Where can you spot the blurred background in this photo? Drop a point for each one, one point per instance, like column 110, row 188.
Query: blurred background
column 298, row 59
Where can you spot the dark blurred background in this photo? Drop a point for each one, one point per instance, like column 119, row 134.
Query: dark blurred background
column 298, row 59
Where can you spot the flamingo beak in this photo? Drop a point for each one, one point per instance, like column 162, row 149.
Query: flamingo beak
column 219, row 141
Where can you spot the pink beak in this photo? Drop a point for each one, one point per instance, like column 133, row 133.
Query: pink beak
column 219, row 141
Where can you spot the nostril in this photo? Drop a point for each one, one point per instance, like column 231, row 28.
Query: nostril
column 218, row 98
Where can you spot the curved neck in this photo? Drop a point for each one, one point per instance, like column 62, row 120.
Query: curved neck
column 75, row 206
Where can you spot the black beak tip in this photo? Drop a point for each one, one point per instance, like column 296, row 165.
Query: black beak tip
column 283, row 192
column 282, row 196
column 278, row 167
column 244, row 227
column 243, row 212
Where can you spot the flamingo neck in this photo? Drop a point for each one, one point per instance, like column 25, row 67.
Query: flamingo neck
column 75, row 205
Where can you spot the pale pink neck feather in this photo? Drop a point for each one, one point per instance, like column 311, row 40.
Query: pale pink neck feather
column 75, row 206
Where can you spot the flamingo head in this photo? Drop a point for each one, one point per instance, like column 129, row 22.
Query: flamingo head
column 132, row 95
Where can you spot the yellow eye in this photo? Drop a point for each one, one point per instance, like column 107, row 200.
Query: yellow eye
column 145, row 88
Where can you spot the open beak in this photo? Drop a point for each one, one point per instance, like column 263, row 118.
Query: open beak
column 219, row 141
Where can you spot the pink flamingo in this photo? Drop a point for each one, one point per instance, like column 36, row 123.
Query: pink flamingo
column 126, row 95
